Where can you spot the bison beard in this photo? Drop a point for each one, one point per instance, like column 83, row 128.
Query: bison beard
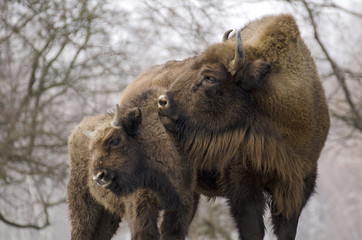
column 257, row 114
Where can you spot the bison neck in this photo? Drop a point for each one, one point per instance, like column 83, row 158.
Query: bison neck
column 254, row 145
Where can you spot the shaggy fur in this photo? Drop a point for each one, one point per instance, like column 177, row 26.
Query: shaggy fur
column 144, row 169
column 262, row 126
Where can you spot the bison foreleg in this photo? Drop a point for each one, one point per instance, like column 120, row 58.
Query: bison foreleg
column 175, row 223
column 142, row 214
column 287, row 228
column 247, row 203
column 89, row 219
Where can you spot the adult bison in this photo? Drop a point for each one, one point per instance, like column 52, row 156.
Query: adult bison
column 125, row 164
column 253, row 109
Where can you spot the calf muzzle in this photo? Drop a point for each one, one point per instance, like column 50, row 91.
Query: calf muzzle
column 103, row 178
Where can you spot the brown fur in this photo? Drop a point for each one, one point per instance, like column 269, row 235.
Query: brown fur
column 262, row 126
column 145, row 167
column 156, row 76
column 163, row 76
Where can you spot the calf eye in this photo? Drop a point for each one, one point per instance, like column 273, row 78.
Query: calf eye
column 114, row 142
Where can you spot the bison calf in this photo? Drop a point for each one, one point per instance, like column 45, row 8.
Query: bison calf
column 255, row 113
column 125, row 164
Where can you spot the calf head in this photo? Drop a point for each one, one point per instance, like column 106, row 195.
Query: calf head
column 215, row 92
column 115, row 162
column 119, row 161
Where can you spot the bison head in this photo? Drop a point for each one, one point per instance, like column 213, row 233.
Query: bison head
column 215, row 93
column 113, row 161
column 206, row 104
column 119, row 161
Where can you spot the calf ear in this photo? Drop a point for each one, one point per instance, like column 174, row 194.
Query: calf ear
column 131, row 120
column 254, row 74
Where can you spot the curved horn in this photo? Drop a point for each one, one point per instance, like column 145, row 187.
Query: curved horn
column 226, row 35
column 116, row 122
column 239, row 48
column 239, row 58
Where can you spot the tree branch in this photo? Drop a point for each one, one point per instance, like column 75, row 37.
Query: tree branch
column 18, row 225
column 333, row 5
column 338, row 72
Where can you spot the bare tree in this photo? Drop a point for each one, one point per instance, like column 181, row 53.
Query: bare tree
column 61, row 60
column 50, row 52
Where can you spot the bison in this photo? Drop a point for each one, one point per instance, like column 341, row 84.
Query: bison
column 252, row 111
column 125, row 164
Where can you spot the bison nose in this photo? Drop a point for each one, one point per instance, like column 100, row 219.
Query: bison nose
column 162, row 101
column 99, row 176
column 101, row 179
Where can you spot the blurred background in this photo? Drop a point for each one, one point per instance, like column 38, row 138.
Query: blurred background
column 61, row 60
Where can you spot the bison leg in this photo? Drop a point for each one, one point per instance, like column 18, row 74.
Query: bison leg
column 142, row 215
column 195, row 206
column 107, row 225
column 89, row 220
column 246, row 200
column 286, row 229
column 175, row 223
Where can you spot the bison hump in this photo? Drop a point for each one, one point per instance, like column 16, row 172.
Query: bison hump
column 275, row 38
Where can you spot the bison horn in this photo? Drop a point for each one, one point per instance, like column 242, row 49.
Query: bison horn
column 239, row 58
column 226, row 35
column 116, row 122
column 239, row 48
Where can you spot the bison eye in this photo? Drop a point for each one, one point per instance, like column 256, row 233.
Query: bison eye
column 114, row 142
column 210, row 80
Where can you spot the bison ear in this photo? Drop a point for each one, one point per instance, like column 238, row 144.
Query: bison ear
column 254, row 75
column 131, row 120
